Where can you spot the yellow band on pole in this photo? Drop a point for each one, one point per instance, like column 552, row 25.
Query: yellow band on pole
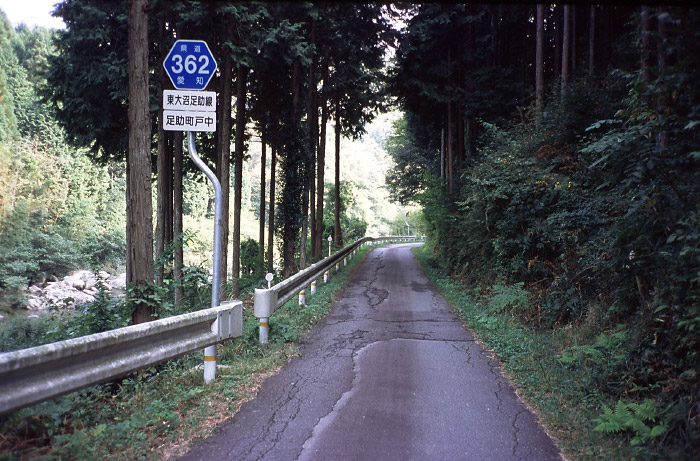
column 264, row 324
column 210, row 358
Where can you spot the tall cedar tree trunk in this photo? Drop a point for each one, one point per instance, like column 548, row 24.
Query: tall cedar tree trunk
column 241, row 78
column 312, row 127
column 160, row 202
column 491, row 59
column 178, row 256
column 662, row 99
column 321, row 155
column 337, row 234
column 263, row 165
column 223, row 158
column 460, row 114
column 539, row 66
column 139, row 209
column 450, row 160
column 271, row 212
column 471, row 136
column 557, row 25
column 290, row 231
column 442, row 152
column 162, row 174
column 645, row 52
column 591, row 42
column 573, row 38
column 303, row 238
column 565, row 52
column 320, row 178
column 307, row 201
column 449, row 147
column 164, row 206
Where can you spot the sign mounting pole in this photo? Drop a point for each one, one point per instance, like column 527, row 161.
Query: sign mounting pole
column 190, row 66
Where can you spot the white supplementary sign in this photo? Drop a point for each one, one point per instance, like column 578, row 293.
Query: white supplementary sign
column 189, row 110
column 174, row 120
column 200, row 101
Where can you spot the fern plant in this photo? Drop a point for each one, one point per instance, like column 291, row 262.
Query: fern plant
column 637, row 418
column 508, row 296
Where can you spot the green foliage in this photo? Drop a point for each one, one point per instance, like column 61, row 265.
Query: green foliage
column 87, row 79
column 592, row 211
column 352, row 223
column 8, row 64
column 411, row 170
column 105, row 313
column 293, row 161
column 29, row 251
column 57, row 211
column 503, row 297
column 566, row 397
column 250, row 257
column 634, row 418
column 20, row 332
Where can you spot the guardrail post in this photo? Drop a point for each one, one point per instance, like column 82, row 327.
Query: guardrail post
column 337, row 266
column 264, row 329
column 265, row 303
column 302, row 298
column 313, row 288
column 325, row 277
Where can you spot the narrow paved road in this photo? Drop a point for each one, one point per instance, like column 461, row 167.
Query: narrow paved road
column 390, row 374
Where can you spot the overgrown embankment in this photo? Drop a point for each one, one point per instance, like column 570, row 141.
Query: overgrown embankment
column 554, row 371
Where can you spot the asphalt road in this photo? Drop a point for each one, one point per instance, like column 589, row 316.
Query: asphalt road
column 390, row 374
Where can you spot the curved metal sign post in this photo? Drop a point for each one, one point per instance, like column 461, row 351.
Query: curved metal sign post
column 210, row 351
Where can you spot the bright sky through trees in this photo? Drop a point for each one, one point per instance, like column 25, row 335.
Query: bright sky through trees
column 31, row 13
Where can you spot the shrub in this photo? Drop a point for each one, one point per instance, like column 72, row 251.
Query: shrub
column 30, row 251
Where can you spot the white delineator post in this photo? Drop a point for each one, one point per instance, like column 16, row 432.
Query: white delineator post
column 264, row 330
column 265, row 321
column 313, row 288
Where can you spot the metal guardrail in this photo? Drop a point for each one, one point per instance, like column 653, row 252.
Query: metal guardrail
column 29, row 376
column 32, row 375
column 268, row 300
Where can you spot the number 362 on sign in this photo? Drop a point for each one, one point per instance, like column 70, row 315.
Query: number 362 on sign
column 190, row 65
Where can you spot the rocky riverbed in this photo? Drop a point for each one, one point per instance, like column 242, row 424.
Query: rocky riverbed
column 77, row 288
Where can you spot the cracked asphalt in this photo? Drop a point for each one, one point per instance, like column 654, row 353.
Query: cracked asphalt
column 389, row 374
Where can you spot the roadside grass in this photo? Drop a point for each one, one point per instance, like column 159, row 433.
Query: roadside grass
column 159, row 412
column 550, row 368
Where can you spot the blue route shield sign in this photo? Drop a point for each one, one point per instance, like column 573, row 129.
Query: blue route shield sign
column 190, row 65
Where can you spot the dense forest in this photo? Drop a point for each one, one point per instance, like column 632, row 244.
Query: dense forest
column 554, row 150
